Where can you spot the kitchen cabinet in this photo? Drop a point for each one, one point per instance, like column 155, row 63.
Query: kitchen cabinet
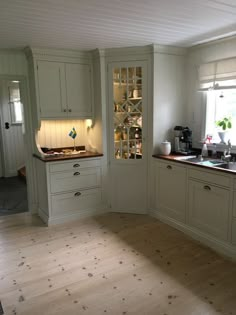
column 68, row 189
column 170, row 185
column 208, row 197
column 64, row 90
column 128, row 107
column 61, row 84
column 208, row 207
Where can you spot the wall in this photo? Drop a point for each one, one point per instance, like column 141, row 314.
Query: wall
column 169, row 93
column 221, row 49
column 55, row 133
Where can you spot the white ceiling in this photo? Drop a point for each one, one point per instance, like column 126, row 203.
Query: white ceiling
column 90, row 24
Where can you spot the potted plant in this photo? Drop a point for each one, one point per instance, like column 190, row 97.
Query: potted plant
column 224, row 125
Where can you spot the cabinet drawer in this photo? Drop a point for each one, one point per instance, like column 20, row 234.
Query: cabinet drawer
column 234, row 231
column 77, row 179
column 171, row 166
column 216, row 179
column 76, row 201
column 73, row 165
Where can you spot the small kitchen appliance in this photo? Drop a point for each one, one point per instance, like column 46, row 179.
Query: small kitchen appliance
column 183, row 140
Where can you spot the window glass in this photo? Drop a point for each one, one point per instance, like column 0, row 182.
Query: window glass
column 221, row 104
column 15, row 104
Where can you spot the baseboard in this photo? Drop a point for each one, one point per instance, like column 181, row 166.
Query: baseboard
column 71, row 217
column 222, row 247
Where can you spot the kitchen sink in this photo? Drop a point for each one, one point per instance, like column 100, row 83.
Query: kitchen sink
column 228, row 166
column 197, row 160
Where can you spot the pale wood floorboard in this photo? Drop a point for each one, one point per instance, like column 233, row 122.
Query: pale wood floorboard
column 111, row 264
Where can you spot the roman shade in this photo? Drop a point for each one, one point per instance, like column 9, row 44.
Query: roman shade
column 217, row 75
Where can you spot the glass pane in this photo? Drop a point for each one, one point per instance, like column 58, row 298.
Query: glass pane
column 127, row 118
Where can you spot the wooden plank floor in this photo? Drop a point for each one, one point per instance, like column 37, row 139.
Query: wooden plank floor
column 111, row 264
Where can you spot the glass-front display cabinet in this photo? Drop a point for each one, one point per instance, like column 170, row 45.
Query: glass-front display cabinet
column 128, row 112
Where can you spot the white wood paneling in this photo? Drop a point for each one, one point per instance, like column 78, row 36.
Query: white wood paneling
column 91, row 24
column 55, row 134
column 13, row 63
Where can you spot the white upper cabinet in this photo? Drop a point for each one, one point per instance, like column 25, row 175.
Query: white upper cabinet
column 51, row 89
column 78, row 89
column 61, row 84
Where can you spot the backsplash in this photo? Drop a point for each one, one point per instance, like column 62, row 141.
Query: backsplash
column 55, row 133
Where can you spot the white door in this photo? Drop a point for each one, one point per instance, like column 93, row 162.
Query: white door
column 78, row 90
column 12, row 140
column 51, row 89
column 128, row 129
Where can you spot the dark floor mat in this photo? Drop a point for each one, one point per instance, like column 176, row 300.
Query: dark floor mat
column 13, row 196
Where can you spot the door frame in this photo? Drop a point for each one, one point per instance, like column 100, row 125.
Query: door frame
column 28, row 140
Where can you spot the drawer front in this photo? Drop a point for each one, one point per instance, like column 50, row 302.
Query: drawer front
column 171, row 166
column 216, row 179
column 73, row 165
column 234, row 232
column 74, row 202
column 77, row 179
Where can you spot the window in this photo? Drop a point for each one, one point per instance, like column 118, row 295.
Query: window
column 220, row 104
column 15, row 104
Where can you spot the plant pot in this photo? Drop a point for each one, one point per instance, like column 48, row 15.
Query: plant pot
column 223, row 135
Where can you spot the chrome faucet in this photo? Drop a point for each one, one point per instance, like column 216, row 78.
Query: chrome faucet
column 227, row 153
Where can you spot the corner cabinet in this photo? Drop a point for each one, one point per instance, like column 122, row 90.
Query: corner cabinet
column 61, row 84
column 128, row 107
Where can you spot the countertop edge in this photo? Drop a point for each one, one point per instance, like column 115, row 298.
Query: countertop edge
column 67, row 157
column 171, row 158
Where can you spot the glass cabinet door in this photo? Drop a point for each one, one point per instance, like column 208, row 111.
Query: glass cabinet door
column 127, row 112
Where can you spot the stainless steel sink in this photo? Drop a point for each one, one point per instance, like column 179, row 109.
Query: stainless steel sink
column 228, row 166
column 197, row 160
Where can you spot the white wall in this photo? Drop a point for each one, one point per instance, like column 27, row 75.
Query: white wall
column 169, row 94
column 195, row 100
column 55, row 133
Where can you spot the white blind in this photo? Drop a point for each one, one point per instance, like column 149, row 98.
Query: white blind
column 219, row 74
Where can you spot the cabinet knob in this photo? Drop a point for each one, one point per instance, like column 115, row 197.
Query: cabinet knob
column 64, row 110
column 77, row 194
column 76, row 173
column 206, row 187
column 169, row 167
column 70, row 110
column 76, row 165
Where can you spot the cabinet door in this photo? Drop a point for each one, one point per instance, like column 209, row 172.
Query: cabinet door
column 209, row 208
column 128, row 108
column 51, row 89
column 171, row 191
column 79, row 90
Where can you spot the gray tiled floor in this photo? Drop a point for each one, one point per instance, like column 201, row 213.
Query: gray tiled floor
column 13, row 196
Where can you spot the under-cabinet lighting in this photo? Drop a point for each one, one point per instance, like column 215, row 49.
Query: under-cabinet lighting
column 89, row 123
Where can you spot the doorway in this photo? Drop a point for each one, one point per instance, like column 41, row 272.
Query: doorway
column 13, row 187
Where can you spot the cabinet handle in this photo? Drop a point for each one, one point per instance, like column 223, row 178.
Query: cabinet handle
column 64, row 110
column 169, row 167
column 77, row 194
column 76, row 165
column 206, row 187
column 76, row 173
column 70, row 110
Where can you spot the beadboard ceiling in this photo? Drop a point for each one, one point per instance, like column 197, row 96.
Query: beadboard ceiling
column 90, row 24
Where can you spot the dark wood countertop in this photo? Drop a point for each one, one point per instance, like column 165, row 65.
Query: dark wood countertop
column 172, row 158
column 65, row 157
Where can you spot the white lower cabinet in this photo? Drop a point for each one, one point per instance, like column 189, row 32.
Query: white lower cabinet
column 171, row 190
column 68, row 189
column 208, row 208
column 205, row 197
